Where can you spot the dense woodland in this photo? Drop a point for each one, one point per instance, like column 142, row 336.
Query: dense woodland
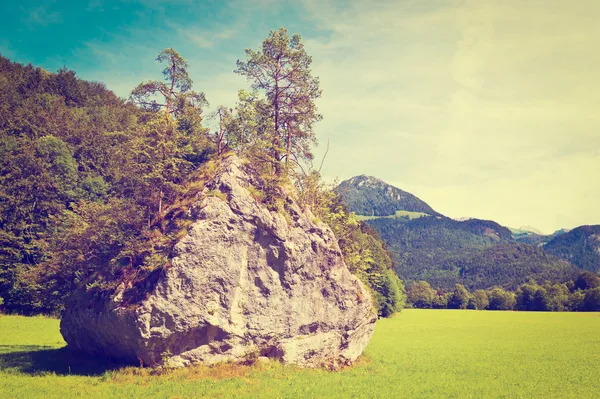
column 94, row 188
column 475, row 253
column 580, row 246
column 579, row 294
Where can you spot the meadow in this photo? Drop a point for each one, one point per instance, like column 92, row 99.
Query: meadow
column 415, row 354
column 399, row 214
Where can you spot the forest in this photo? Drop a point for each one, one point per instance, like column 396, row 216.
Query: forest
column 94, row 188
column 478, row 254
column 580, row 294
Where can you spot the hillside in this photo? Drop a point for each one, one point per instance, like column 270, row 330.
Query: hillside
column 580, row 246
column 475, row 253
column 443, row 251
column 369, row 196
column 509, row 265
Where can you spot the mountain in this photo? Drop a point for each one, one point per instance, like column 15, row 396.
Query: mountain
column 443, row 251
column 580, row 246
column 369, row 196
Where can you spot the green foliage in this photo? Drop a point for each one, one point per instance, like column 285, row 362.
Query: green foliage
column 501, row 300
column 421, row 295
column 591, row 302
column 531, row 296
column 406, row 215
column 440, row 300
column 179, row 99
column 481, row 300
column 580, row 246
column 281, row 71
column 478, row 254
column 586, row 280
column 459, row 298
column 389, row 292
column 575, row 301
column 85, row 180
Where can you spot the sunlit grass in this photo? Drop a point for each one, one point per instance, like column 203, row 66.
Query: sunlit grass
column 418, row 353
column 399, row 214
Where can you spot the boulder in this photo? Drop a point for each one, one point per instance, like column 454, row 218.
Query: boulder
column 244, row 282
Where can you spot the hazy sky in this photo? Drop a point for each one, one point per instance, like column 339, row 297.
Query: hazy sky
column 482, row 108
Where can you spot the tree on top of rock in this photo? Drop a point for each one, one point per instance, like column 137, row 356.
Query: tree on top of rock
column 176, row 90
column 281, row 70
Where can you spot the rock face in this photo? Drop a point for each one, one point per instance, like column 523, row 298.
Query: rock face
column 245, row 281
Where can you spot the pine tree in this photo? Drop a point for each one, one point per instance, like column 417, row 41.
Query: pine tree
column 281, row 71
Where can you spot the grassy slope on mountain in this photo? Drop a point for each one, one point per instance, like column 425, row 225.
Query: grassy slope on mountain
column 407, row 215
column 369, row 196
column 580, row 246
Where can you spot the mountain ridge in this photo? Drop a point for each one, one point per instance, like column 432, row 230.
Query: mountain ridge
column 371, row 196
column 444, row 251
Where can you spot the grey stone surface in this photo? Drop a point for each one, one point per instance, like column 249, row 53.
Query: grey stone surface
column 245, row 281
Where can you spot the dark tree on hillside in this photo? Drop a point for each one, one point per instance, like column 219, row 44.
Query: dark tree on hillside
column 501, row 300
column 591, row 303
column 459, row 298
column 420, row 294
column 481, row 300
column 587, row 280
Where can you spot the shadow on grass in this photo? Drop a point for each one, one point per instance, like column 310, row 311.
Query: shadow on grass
column 34, row 359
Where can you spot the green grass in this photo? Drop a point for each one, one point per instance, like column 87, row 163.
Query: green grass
column 417, row 354
column 399, row 214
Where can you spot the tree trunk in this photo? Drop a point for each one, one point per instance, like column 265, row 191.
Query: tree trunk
column 171, row 90
column 160, row 200
column 220, row 135
column 289, row 144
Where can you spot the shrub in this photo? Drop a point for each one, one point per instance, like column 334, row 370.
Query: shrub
column 501, row 300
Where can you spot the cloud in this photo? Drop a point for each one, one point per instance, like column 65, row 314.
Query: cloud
column 41, row 16
column 204, row 38
column 475, row 104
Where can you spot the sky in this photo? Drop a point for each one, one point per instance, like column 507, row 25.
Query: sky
column 482, row 108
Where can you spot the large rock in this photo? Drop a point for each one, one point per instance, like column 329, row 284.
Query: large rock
column 244, row 282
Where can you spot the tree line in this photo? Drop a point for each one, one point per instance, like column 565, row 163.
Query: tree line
column 580, row 294
column 96, row 190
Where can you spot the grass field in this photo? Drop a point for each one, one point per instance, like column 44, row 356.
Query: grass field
column 417, row 354
column 399, row 214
